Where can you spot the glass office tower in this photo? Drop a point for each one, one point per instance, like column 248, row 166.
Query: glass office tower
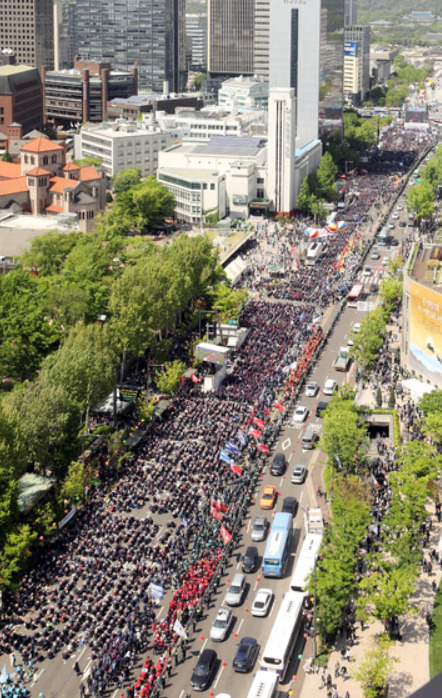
column 331, row 66
column 147, row 33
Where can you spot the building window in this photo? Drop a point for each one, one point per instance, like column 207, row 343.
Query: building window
column 212, row 187
column 45, row 160
column 54, row 158
column 294, row 52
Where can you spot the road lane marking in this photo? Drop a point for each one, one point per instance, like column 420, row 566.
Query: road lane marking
column 160, row 612
column 219, row 676
column 182, row 691
column 204, row 644
column 38, row 674
column 256, row 584
column 301, row 496
column 248, row 525
column 240, row 626
column 290, row 457
column 285, row 444
column 81, row 653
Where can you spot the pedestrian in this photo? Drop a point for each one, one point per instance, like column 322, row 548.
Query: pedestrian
column 77, row 668
column 347, row 694
column 337, row 668
column 323, row 678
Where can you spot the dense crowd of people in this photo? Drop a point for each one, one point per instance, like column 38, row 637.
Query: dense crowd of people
column 99, row 580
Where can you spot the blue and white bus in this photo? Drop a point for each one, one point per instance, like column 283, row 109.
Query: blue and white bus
column 278, row 544
column 282, row 639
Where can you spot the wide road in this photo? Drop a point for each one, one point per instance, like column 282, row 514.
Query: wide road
column 57, row 679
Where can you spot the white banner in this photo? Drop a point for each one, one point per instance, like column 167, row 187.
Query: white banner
column 68, row 517
column 179, row 630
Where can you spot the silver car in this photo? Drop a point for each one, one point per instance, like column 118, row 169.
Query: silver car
column 298, row 474
column 221, row 625
column 259, row 529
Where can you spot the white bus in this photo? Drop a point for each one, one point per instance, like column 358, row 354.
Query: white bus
column 314, row 252
column 306, row 561
column 264, row 685
column 282, row 639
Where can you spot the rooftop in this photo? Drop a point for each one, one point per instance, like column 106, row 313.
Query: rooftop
column 230, row 145
column 13, row 75
column 41, row 145
column 425, row 274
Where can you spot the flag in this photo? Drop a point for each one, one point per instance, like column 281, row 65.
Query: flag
column 156, row 592
column 241, row 438
column 179, row 630
column 263, row 448
column 225, row 535
column 279, row 406
column 256, row 433
column 214, row 511
column 232, row 448
column 221, row 506
column 194, row 378
column 266, row 412
column 236, row 469
column 259, row 423
column 225, row 457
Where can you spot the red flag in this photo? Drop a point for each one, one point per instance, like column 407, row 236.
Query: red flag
column 280, row 407
column 256, row 433
column 215, row 513
column 259, row 423
column 194, row 378
column 266, row 412
column 263, row 448
column 225, row 535
column 236, row 469
column 221, row 506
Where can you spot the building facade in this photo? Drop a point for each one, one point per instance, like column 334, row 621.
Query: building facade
column 230, row 37
column 356, row 63
column 26, row 27
column 125, row 33
column 331, row 67
column 21, row 98
column 240, row 94
column 200, row 127
column 134, row 107
column 82, row 93
column 124, row 144
column 421, row 349
column 196, row 31
column 261, row 51
column 351, row 12
column 63, row 40
column 282, row 146
column 43, row 184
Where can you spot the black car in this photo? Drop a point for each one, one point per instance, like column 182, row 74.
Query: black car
column 250, row 560
column 290, row 505
column 394, row 242
column 320, row 407
column 204, row 670
column 278, row 464
column 246, row 654
column 374, row 288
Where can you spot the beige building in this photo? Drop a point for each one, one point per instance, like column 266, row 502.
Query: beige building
column 26, row 27
column 44, row 184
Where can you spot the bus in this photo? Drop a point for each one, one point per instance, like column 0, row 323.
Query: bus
column 314, row 253
column 355, row 295
column 264, row 685
column 383, row 238
column 278, row 544
column 306, row 561
column 283, row 635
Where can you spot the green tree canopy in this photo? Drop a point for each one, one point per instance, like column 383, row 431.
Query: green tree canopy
column 126, row 179
column 48, row 252
column 376, row 666
column 343, row 435
column 146, row 204
column 169, row 379
column 420, row 200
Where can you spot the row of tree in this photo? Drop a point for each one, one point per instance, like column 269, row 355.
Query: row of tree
column 421, row 196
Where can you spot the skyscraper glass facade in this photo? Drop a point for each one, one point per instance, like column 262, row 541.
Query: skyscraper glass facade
column 331, row 66
column 231, row 35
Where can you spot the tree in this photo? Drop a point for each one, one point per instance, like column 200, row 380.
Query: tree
column 6, row 157
column 126, row 179
column 386, row 593
column 228, row 302
column 369, row 339
column 73, row 485
column 343, row 437
column 15, row 556
column 169, row 379
column 48, row 252
column 303, row 200
column 375, row 668
column 391, row 399
column 390, row 291
column 431, row 402
column 420, row 200
column 379, row 397
column 89, row 160
column 432, row 426
column 148, row 203
column 327, row 173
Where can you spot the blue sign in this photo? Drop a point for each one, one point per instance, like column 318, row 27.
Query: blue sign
column 350, row 48
column 225, row 457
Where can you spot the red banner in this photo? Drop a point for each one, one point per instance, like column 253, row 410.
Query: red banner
column 194, row 378
column 221, row 506
column 280, row 407
column 259, row 423
column 266, row 412
column 236, row 469
column 263, row 448
column 225, row 535
column 256, row 433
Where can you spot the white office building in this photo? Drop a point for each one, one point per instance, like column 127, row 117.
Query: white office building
column 282, row 136
column 356, row 63
column 200, row 126
column 243, row 93
column 226, row 176
column 196, row 30
column 122, row 144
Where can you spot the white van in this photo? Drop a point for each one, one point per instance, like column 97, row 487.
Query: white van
column 330, row 387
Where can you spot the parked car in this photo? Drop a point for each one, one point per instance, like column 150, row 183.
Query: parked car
column 299, row 473
column 309, row 439
column 262, row 602
column 268, row 497
column 221, row 625
column 278, row 464
column 320, row 407
column 330, row 387
column 246, row 655
column 235, row 592
column 375, row 255
column 259, row 529
column 250, row 560
column 204, row 670
column 300, row 414
column 290, row 505
column 311, row 389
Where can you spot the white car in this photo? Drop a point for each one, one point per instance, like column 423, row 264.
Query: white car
column 300, row 414
column 329, row 387
column 356, row 327
column 375, row 255
column 395, row 216
column 367, row 271
column 400, row 207
column 221, row 625
column 311, row 389
column 262, row 602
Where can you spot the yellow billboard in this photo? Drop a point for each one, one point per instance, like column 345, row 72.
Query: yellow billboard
column 425, row 354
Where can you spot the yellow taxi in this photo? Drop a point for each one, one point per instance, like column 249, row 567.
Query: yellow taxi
column 268, row 497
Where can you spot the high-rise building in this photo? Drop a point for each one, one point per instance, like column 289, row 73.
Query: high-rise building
column 21, row 100
column 63, row 39
column 230, row 37
column 261, row 56
column 331, row 66
column 196, row 30
column 356, row 63
column 351, row 12
column 124, row 33
column 282, row 139
column 26, row 27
